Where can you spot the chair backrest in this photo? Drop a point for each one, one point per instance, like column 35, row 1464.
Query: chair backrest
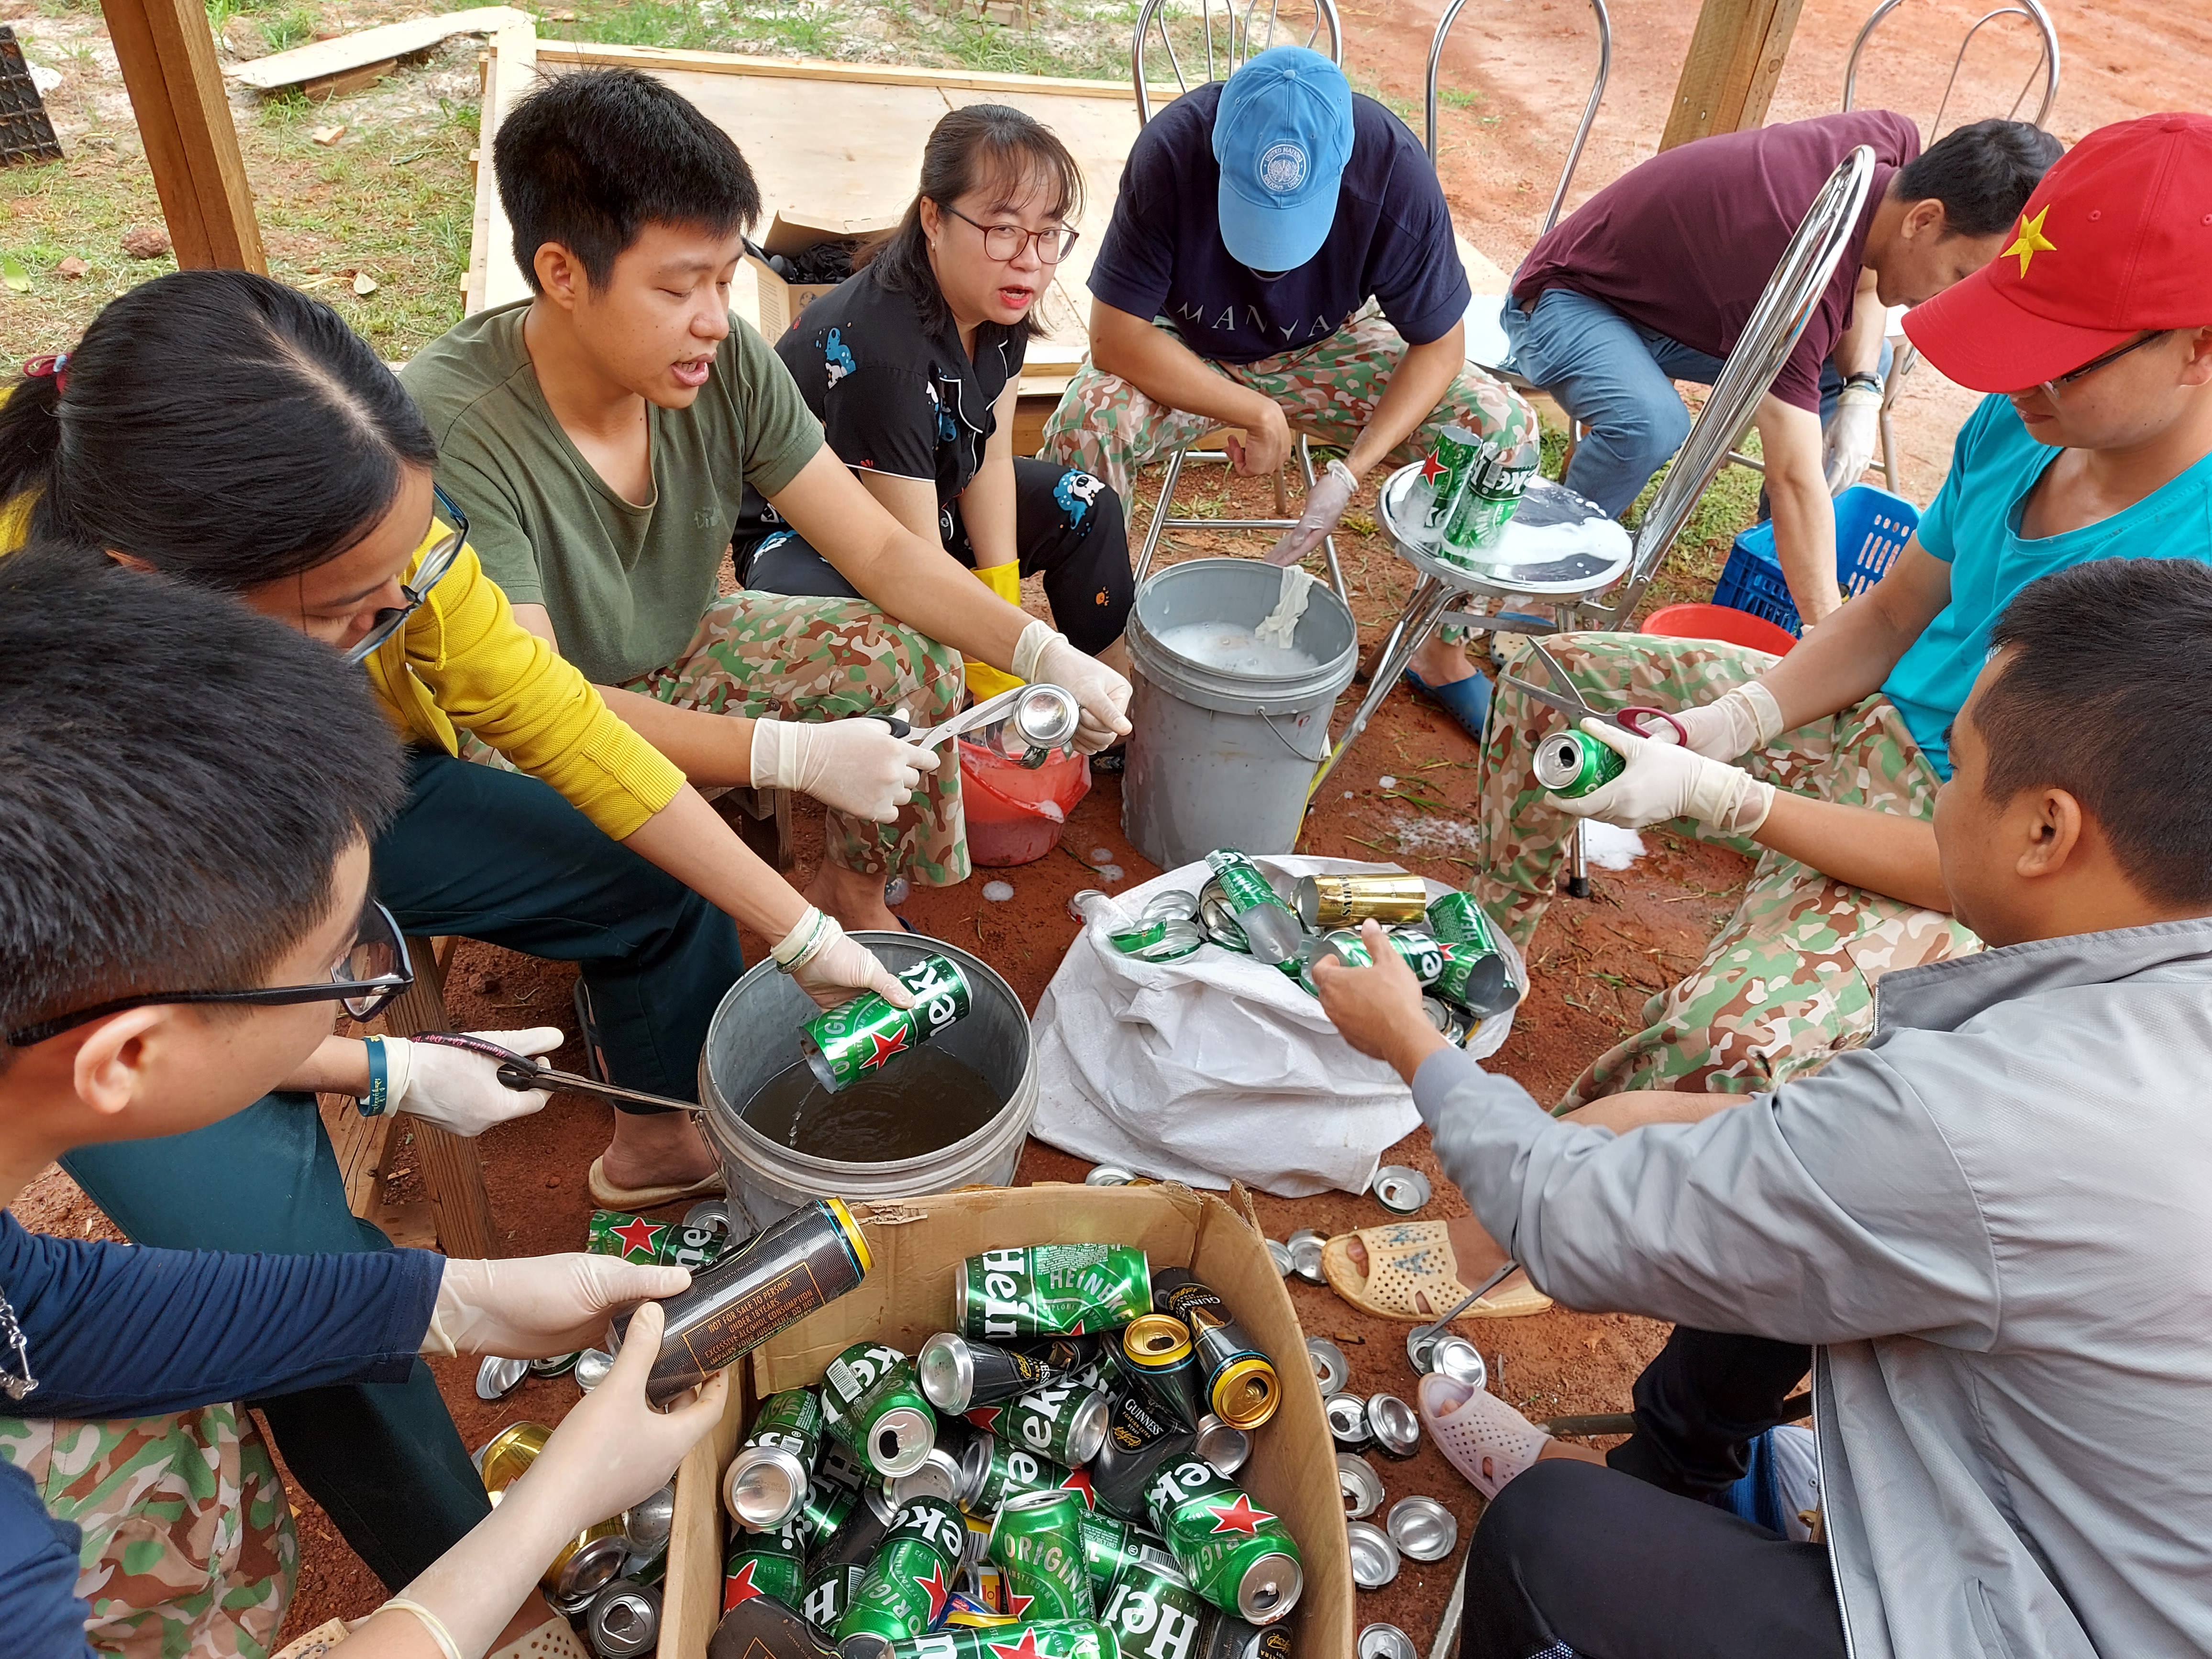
column 1229, row 38
column 1768, row 337
column 2046, row 63
column 1590, row 108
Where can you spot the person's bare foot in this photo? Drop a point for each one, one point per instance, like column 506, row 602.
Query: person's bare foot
column 1473, row 1249
column 656, row 1149
column 854, row 898
column 1441, row 661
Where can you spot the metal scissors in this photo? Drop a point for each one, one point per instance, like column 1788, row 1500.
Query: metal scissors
column 1637, row 719
column 978, row 715
column 520, row 1071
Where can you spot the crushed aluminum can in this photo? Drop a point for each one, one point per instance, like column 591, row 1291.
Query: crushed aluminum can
column 1396, row 1428
column 1110, row 1174
column 592, row 1368
column 1347, row 1421
column 1305, row 1255
column 497, row 1378
column 1330, row 1368
column 1385, row 1642
column 624, row 1621
column 1461, row 1360
column 647, row 1522
column 1361, row 1486
column 1174, row 940
column 1075, row 904
column 1224, row 1445
column 559, row 1365
column 1400, row 1190
column 1374, row 1557
column 1280, row 1253
column 1172, row 904
column 1422, row 1528
column 1455, row 1024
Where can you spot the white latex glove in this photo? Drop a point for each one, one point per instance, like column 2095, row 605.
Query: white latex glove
column 1847, row 441
column 854, row 765
column 1102, row 695
column 1665, row 780
column 534, row 1307
column 1733, row 724
column 1325, row 503
column 461, row 1091
column 833, row 969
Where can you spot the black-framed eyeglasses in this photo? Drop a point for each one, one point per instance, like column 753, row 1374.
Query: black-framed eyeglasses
column 372, row 971
column 1004, row 243
column 2114, row 355
column 435, row 564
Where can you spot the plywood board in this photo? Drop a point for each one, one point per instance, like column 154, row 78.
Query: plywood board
column 319, row 60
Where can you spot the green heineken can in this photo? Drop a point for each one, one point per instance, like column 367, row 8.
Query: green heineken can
column 1478, row 975
column 1341, row 945
column 1456, row 919
column 771, row 1564
column 660, row 1243
column 841, row 1557
column 826, row 1508
column 855, row 1037
column 1442, row 478
column 1037, row 1542
column 991, row 1472
column 1238, row 1557
column 907, row 1582
column 1154, row 1613
column 766, row 1483
column 1050, row 1289
column 1109, row 1545
column 872, row 1401
column 1061, row 1422
column 1049, row 1638
column 1420, row 952
column 1572, row 764
column 1270, row 928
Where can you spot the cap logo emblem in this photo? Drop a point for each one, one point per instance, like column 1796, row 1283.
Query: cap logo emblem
column 2031, row 240
column 1282, row 168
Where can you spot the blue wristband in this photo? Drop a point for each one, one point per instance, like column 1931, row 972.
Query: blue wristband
column 373, row 1103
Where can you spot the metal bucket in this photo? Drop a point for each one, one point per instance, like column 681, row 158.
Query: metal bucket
column 754, row 1035
column 1217, row 759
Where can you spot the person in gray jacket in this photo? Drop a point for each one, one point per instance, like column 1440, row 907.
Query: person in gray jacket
column 1986, row 1232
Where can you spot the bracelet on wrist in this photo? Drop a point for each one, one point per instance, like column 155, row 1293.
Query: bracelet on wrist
column 378, row 1100
column 1872, row 382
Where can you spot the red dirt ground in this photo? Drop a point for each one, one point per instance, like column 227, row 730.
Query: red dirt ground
column 1594, row 962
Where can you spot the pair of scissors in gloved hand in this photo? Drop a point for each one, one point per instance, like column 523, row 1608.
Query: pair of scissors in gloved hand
column 1636, row 719
column 520, row 1071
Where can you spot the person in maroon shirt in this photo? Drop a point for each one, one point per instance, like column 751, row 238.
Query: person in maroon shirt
column 1652, row 280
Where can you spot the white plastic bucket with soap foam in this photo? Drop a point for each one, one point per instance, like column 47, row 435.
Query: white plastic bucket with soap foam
column 1221, row 755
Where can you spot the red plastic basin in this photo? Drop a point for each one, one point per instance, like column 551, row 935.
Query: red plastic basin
column 1719, row 621
column 1015, row 815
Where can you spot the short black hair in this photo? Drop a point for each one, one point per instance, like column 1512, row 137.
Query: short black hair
column 178, row 777
column 2103, row 694
column 223, row 428
column 1983, row 173
column 591, row 158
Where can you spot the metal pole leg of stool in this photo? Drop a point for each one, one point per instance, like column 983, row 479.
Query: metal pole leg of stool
column 1422, row 613
column 1578, row 882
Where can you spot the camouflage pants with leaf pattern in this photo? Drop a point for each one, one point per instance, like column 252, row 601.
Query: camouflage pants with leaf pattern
column 1790, row 979
column 1327, row 389
column 797, row 658
column 188, row 1544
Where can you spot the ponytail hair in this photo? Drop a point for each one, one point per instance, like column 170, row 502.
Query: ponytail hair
column 223, row 428
column 975, row 148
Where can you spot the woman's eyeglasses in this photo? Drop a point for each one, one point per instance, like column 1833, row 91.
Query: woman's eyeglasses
column 373, row 970
column 433, row 566
column 1004, row 243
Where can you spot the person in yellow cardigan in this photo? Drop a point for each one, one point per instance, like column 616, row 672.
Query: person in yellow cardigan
column 233, row 433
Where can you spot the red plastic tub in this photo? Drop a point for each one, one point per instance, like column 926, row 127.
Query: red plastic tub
column 1720, row 622
column 1014, row 815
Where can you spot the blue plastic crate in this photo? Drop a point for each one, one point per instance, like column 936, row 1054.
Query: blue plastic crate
column 1872, row 526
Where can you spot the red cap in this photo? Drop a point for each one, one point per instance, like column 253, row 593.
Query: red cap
column 2117, row 239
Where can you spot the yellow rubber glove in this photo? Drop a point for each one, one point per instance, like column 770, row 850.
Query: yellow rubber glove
column 1005, row 581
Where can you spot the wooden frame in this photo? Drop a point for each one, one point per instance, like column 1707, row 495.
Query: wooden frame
column 166, row 55
column 1735, row 57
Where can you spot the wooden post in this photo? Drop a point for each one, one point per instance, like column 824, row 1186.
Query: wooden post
column 1735, row 57
column 451, row 1167
column 168, row 64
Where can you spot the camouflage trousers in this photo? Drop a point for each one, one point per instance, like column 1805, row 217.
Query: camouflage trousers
column 188, row 1544
column 798, row 658
column 1327, row 389
column 1790, row 979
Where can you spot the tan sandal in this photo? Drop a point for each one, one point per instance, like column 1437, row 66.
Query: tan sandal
column 609, row 1196
column 1411, row 1275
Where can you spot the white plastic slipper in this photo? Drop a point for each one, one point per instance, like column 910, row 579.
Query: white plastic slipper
column 1471, row 1426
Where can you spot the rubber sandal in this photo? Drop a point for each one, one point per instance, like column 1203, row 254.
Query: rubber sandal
column 609, row 1196
column 1468, row 701
column 1469, row 1424
column 1410, row 1260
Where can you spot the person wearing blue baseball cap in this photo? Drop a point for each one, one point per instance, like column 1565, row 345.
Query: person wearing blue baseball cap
column 1280, row 255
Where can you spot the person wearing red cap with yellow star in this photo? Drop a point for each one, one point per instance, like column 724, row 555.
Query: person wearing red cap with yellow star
column 2093, row 331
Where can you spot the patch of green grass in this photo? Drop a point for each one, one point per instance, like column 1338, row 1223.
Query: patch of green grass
column 787, row 27
column 997, row 50
column 1458, row 97
column 295, row 27
column 1694, row 563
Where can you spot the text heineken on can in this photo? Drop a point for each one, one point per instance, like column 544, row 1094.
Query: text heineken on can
column 1051, row 1638
column 1420, row 952
column 1271, row 928
column 1442, row 478
column 842, row 1555
column 1037, row 1542
column 1572, row 764
column 1050, row 1289
column 991, row 1472
column 1062, row 1422
column 1456, row 919
column 871, row 1401
column 907, row 1584
column 856, row 1037
column 766, row 1483
column 1240, row 1386
column 664, row 1243
column 795, row 1266
column 771, row 1564
column 1239, row 1557
column 1154, row 1613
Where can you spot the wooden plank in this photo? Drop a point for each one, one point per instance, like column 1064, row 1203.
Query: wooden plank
column 449, row 1165
column 320, row 60
column 511, row 70
column 346, row 82
column 168, row 62
column 656, row 58
column 1735, row 57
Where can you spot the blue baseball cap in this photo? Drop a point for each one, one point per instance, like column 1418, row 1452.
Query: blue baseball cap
column 1282, row 134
